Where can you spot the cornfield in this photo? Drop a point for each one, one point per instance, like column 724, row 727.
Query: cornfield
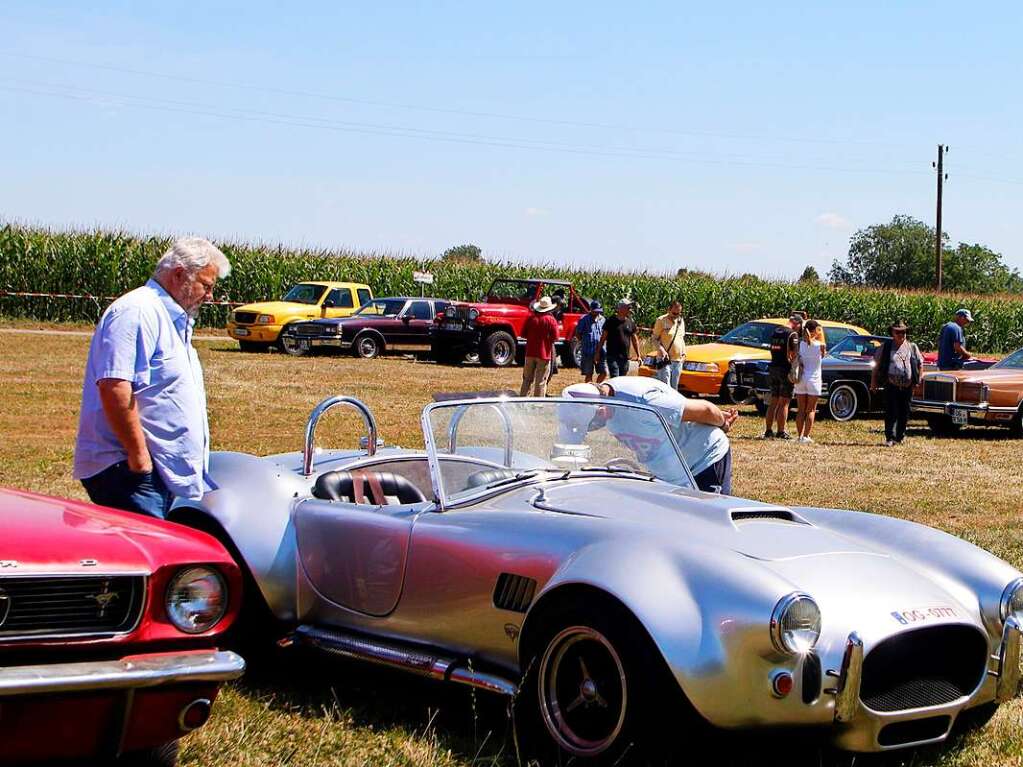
column 104, row 264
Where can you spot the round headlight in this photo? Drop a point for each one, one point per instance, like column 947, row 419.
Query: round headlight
column 265, row 319
column 196, row 599
column 796, row 624
column 1012, row 601
column 473, row 314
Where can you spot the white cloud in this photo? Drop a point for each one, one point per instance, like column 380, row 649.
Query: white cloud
column 834, row 221
column 536, row 212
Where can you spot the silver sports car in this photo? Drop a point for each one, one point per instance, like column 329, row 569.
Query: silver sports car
column 556, row 550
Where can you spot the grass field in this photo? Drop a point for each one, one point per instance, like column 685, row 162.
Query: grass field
column 347, row 714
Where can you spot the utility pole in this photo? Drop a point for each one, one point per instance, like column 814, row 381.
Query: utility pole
column 942, row 149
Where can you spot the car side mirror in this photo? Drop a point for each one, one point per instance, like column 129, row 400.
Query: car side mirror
column 406, row 318
column 329, row 303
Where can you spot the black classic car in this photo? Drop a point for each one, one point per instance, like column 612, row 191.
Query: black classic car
column 846, row 373
column 380, row 324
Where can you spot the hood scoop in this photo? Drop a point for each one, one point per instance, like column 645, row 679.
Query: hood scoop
column 765, row 515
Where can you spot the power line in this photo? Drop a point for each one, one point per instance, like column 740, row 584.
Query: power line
column 447, row 110
column 89, row 95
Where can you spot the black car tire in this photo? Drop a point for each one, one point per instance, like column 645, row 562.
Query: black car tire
column 367, row 346
column 1016, row 425
column 725, row 393
column 498, row 349
column 254, row 346
column 843, row 402
column 158, row 756
column 595, row 691
column 942, row 426
column 289, row 345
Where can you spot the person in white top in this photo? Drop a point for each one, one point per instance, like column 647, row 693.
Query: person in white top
column 808, row 389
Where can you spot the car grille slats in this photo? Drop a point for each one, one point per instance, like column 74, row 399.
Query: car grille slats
column 69, row 605
column 939, row 391
column 245, row 318
column 924, row 667
column 308, row 330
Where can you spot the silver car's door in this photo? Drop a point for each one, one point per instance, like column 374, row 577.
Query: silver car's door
column 354, row 554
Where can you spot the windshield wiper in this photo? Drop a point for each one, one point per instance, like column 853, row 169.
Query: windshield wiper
column 621, row 470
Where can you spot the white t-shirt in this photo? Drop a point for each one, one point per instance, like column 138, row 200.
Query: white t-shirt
column 701, row 445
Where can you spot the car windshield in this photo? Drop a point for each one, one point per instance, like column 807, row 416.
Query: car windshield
column 382, row 307
column 304, row 293
column 854, row 347
column 512, row 292
column 755, row 334
column 513, row 440
column 1013, row 361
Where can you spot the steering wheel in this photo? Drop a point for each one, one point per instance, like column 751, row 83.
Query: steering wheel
column 627, row 463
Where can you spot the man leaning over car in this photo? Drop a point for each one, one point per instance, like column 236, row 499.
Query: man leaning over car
column 143, row 433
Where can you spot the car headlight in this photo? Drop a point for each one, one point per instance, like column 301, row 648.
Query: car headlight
column 451, row 312
column 1012, row 601
column 701, row 367
column 473, row 315
column 265, row 319
column 196, row 599
column 795, row 624
column 330, row 330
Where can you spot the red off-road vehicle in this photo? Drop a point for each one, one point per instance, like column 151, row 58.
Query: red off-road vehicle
column 493, row 327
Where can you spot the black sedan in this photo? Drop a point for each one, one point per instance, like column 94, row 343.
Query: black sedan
column 846, row 373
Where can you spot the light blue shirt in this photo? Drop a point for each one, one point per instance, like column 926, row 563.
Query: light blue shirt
column 145, row 337
column 702, row 445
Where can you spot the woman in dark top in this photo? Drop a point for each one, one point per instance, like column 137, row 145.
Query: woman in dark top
column 898, row 370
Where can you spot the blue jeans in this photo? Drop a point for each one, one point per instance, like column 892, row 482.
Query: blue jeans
column 120, row 488
column 669, row 374
column 617, row 365
column 717, row 478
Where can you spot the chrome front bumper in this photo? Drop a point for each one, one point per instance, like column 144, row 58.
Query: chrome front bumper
column 858, row 728
column 127, row 673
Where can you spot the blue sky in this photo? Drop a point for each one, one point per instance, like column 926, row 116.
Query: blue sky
column 743, row 137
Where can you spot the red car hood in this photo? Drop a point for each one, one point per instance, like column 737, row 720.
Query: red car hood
column 44, row 534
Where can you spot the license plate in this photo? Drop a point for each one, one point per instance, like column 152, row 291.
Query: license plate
column 241, row 331
column 923, row 614
column 960, row 416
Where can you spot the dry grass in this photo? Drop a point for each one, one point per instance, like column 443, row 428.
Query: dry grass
column 351, row 715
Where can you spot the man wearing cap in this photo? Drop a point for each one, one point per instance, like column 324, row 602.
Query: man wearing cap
column 898, row 371
column 541, row 331
column 699, row 426
column 620, row 336
column 669, row 333
column 952, row 342
column 589, row 331
column 784, row 344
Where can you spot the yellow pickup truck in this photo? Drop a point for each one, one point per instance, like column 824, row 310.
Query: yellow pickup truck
column 257, row 327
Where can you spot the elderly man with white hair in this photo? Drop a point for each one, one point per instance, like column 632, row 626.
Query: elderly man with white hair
column 143, row 433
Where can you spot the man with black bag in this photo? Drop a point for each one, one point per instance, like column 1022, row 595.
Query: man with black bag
column 898, row 368
column 668, row 335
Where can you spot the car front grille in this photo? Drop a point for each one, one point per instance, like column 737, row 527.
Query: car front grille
column 53, row 606
column 924, row 667
column 308, row 329
column 939, row 391
column 245, row 318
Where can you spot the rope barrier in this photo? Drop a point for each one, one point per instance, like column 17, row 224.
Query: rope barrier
column 90, row 297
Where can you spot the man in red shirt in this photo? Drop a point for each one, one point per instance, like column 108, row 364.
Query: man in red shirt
column 541, row 331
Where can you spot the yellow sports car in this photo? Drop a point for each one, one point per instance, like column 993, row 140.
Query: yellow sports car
column 256, row 327
column 708, row 368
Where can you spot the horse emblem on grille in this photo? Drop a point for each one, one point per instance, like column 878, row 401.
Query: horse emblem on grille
column 104, row 598
column 5, row 606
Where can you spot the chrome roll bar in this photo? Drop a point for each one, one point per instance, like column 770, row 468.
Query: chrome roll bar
column 456, row 419
column 319, row 411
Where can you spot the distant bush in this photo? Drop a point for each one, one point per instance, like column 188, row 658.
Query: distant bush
column 103, row 263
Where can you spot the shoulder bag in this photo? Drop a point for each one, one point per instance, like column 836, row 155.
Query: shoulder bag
column 662, row 362
column 796, row 369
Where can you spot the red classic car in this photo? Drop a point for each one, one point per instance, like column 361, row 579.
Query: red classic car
column 493, row 327
column 108, row 625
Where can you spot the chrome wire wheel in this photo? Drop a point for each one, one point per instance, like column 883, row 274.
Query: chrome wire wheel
column 367, row 347
column 502, row 352
column 843, row 403
column 583, row 691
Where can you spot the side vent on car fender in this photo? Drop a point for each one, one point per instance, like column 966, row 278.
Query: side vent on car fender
column 514, row 592
column 752, row 515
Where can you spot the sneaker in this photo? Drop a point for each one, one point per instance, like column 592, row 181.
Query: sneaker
column 784, row 435
column 768, row 435
column 889, row 443
column 803, row 440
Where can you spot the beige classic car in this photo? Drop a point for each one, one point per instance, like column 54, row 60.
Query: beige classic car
column 951, row 399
